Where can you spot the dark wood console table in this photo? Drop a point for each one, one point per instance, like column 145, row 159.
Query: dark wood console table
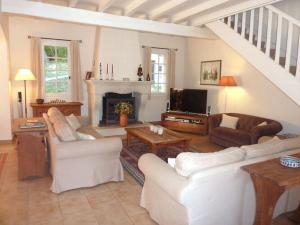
column 192, row 123
column 270, row 180
column 66, row 108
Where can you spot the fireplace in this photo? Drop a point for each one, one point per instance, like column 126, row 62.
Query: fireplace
column 110, row 99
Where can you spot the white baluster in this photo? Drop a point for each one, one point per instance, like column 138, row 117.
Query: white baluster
column 269, row 32
column 289, row 47
column 298, row 61
column 229, row 21
column 251, row 26
column 260, row 25
column 244, row 25
column 278, row 39
column 236, row 19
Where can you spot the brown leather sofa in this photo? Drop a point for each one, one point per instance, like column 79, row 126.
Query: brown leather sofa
column 247, row 132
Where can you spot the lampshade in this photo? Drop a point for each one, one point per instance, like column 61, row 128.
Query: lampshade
column 227, row 81
column 24, row 74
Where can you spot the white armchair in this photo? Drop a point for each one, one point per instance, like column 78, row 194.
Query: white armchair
column 83, row 163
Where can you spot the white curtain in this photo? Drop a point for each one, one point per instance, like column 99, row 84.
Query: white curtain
column 147, row 62
column 76, row 78
column 36, row 68
column 171, row 69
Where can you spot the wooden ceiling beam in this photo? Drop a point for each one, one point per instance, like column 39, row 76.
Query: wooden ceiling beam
column 81, row 16
column 231, row 10
column 133, row 6
column 197, row 9
column 164, row 8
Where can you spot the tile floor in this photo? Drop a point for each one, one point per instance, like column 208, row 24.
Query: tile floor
column 31, row 203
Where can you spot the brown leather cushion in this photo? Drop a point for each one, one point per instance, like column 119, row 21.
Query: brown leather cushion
column 232, row 135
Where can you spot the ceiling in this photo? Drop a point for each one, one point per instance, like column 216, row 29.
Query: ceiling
column 170, row 11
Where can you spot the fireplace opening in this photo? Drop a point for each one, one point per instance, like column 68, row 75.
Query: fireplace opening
column 110, row 99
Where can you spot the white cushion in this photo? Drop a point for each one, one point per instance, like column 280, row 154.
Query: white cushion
column 188, row 163
column 262, row 124
column 83, row 136
column 229, row 121
column 64, row 131
column 275, row 145
column 73, row 121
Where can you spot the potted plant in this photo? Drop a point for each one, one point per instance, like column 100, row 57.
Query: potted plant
column 124, row 109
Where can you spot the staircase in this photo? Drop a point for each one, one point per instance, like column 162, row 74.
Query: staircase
column 270, row 40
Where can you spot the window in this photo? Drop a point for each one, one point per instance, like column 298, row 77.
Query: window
column 56, row 70
column 159, row 72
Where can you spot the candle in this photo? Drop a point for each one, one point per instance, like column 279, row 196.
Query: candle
column 112, row 68
column 107, row 68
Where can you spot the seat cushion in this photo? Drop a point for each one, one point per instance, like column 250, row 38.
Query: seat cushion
column 232, row 135
column 90, row 131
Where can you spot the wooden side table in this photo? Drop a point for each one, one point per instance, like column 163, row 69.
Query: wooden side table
column 67, row 108
column 270, row 180
column 31, row 148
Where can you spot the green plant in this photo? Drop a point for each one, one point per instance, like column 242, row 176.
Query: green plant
column 124, row 107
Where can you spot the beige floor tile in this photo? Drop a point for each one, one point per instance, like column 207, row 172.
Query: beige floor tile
column 98, row 194
column 40, row 184
column 143, row 219
column 81, row 219
column 38, row 197
column 44, row 213
column 111, row 213
column 133, row 208
column 74, row 204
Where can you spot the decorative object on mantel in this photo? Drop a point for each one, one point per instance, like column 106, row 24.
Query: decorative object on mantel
column 88, row 75
column 112, row 72
column 140, row 72
column 210, row 73
column 123, row 108
column 107, row 75
column 100, row 67
column 148, row 77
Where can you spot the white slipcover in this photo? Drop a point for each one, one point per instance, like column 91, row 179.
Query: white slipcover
column 222, row 195
column 85, row 163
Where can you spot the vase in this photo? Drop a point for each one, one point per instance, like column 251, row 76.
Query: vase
column 123, row 119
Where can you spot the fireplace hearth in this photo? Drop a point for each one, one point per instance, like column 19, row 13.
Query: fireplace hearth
column 110, row 99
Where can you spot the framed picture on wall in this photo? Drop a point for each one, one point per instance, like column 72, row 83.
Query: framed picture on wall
column 210, row 72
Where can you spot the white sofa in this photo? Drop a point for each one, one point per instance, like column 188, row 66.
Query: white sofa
column 222, row 195
column 82, row 163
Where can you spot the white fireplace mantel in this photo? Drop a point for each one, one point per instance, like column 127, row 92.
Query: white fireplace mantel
column 97, row 89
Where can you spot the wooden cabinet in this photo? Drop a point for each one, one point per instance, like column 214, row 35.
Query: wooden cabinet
column 31, row 150
column 66, row 108
column 192, row 123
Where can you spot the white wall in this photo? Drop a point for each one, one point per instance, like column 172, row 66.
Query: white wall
column 21, row 27
column 5, row 112
column 254, row 95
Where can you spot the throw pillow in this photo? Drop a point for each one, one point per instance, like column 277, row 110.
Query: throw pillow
column 188, row 163
column 83, row 136
column 73, row 121
column 64, row 131
column 262, row 124
column 229, row 121
column 275, row 145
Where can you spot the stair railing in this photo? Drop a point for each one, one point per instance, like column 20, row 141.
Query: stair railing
column 281, row 46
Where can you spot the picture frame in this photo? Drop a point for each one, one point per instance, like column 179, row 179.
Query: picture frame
column 210, row 72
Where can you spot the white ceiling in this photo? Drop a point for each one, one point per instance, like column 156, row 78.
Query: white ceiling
column 170, row 11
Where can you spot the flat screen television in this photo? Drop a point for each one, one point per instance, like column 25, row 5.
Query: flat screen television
column 188, row 100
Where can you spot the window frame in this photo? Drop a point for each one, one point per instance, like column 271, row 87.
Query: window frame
column 65, row 95
column 166, row 59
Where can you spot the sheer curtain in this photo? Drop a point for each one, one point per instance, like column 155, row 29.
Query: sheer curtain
column 171, row 69
column 147, row 62
column 36, row 68
column 76, row 79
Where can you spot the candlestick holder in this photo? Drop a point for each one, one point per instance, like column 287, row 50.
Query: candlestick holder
column 100, row 71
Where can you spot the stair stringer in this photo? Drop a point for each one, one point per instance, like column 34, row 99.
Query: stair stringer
column 287, row 83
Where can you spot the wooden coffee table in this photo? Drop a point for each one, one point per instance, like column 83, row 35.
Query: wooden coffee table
column 156, row 141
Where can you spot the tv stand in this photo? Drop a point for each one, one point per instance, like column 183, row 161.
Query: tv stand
column 185, row 122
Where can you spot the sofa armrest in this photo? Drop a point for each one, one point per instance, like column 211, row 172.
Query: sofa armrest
column 76, row 149
column 214, row 121
column 163, row 175
column 267, row 130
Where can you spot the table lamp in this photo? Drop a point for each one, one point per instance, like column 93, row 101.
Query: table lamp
column 24, row 74
column 227, row 81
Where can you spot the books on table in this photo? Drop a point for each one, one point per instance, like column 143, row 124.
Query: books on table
column 28, row 125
